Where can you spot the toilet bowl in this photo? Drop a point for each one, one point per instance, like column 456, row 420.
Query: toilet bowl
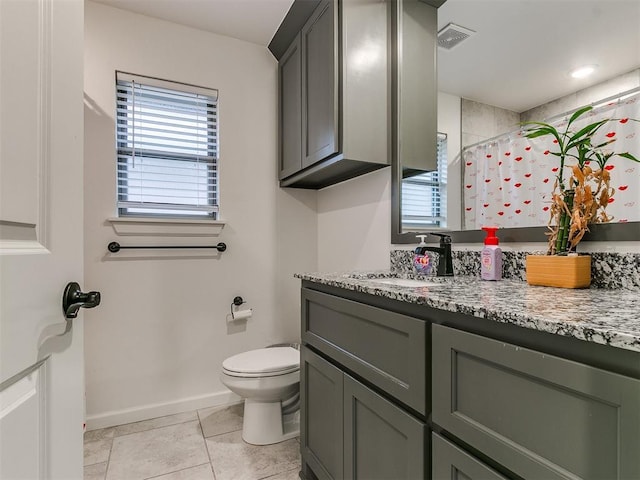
column 269, row 381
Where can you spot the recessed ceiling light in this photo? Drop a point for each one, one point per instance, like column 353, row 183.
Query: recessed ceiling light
column 583, row 72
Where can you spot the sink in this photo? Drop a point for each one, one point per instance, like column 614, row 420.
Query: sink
column 407, row 282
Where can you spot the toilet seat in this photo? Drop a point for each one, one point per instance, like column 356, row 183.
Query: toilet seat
column 263, row 362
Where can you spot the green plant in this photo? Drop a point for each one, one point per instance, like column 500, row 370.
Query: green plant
column 581, row 198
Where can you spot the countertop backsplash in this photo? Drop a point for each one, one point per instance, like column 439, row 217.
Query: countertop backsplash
column 608, row 270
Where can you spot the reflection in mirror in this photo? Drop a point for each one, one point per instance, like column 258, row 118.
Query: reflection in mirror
column 478, row 117
column 508, row 180
column 424, row 195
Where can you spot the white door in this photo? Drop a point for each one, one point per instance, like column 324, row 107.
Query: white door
column 41, row 195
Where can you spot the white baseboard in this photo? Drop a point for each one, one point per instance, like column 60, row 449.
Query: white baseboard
column 146, row 412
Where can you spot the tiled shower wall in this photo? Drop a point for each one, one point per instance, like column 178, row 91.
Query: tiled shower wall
column 480, row 122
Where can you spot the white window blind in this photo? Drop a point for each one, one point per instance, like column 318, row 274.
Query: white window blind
column 424, row 196
column 167, row 148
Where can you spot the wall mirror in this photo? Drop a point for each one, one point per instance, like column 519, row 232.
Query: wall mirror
column 513, row 66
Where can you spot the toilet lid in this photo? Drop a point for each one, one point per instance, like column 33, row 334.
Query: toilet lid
column 264, row 361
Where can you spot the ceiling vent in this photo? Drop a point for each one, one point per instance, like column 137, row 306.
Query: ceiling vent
column 452, row 35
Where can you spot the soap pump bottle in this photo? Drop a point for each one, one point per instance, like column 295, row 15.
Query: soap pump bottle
column 491, row 256
column 421, row 261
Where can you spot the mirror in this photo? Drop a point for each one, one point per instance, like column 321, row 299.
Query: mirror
column 485, row 73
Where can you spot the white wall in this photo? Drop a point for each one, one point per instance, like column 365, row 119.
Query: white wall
column 354, row 224
column 354, row 217
column 449, row 109
column 156, row 343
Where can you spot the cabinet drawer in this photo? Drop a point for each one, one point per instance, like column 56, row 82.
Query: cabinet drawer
column 450, row 462
column 538, row 415
column 386, row 348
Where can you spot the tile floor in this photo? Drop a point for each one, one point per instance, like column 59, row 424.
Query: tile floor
column 200, row 445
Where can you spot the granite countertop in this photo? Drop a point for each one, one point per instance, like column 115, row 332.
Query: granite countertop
column 609, row 317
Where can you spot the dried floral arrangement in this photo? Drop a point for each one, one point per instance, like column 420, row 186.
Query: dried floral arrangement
column 582, row 198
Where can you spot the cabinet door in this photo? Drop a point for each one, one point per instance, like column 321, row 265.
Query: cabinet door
column 538, row 415
column 381, row 441
column 451, row 463
column 290, row 111
column 321, row 415
column 320, row 85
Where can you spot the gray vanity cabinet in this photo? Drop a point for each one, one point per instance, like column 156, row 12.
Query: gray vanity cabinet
column 290, row 110
column 351, row 352
column 396, row 390
column 538, row 415
column 351, row 432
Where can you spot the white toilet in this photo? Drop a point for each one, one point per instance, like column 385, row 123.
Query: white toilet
column 269, row 381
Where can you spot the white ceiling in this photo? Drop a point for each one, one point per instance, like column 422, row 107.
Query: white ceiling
column 519, row 58
column 523, row 50
column 254, row 21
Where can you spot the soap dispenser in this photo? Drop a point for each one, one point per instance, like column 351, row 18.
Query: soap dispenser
column 491, row 256
column 421, row 261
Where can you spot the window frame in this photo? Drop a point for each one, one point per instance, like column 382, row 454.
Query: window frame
column 123, row 149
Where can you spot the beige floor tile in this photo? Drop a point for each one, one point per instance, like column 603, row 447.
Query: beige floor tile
column 156, row 452
column 289, row 475
column 233, row 459
column 97, row 451
column 100, row 434
column 201, row 472
column 95, row 472
column 155, row 423
column 219, row 420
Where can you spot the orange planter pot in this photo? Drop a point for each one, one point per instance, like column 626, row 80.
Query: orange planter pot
column 559, row 271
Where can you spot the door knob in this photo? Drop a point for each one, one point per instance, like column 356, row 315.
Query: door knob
column 73, row 298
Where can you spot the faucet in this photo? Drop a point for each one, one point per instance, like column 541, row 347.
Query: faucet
column 445, row 262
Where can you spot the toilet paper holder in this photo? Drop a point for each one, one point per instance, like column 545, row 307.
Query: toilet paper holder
column 239, row 314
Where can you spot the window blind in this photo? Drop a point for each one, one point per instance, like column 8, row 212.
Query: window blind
column 167, row 148
column 424, row 196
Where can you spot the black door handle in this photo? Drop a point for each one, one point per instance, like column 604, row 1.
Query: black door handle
column 73, row 298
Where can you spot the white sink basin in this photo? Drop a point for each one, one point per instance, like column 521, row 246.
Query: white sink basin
column 407, row 282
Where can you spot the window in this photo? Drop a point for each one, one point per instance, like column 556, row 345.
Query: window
column 424, row 196
column 167, row 147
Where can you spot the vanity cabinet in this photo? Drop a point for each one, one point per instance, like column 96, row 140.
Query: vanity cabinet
column 538, row 415
column 392, row 389
column 349, row 431
column 361, row 371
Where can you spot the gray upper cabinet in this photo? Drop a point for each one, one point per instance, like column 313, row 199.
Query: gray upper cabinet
column 344, row 97
column 290, row 110
column 320, row 85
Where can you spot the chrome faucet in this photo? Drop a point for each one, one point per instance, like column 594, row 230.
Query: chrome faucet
column 445, row 262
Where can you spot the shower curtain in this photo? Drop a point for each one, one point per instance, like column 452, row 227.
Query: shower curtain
column 508, row 181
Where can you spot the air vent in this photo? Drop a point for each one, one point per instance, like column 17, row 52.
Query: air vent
column 452, row 35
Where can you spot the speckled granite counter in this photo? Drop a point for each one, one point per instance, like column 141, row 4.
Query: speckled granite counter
column 609, row 317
